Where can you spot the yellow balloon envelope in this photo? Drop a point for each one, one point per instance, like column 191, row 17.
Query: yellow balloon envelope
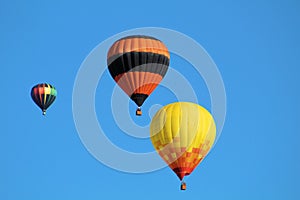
column 182, row 133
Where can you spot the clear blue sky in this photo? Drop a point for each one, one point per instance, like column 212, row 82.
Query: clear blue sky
column 256, row 46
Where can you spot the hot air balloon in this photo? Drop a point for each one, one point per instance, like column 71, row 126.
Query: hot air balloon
column 43, row 95
column 138, row 63
column 182, row 133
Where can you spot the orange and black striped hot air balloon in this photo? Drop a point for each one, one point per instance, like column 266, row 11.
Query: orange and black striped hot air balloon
column 138, row 63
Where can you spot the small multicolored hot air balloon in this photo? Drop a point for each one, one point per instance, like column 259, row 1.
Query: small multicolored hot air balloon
column 182, row 133
column 43, row 95
column 138, row 63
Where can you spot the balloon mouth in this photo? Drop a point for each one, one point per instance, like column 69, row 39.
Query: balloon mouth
column 181, row 173
column 44, row 112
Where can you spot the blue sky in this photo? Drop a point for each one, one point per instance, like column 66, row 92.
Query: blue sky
column 255, row 45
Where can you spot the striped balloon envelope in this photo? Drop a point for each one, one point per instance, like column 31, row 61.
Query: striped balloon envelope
column 43, row 95
column 138, row 63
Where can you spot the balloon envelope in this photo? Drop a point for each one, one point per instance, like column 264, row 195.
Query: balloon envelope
column 182, row 133
column 43, row 95
column 138, row 63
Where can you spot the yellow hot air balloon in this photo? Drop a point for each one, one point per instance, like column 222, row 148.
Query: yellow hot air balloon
column 182, row 133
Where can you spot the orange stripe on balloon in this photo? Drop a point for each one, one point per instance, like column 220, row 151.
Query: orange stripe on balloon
column 41, row 91
column 138, row 45
column 138, row 82
column 185, row 161
column 146, row 89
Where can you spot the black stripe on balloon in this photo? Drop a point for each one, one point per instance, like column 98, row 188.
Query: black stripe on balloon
column 33, row 96
column 48, row 98
column 139, row 98
column 138, row 61
column 37, row 99
column 43, row 102
column 52, row 98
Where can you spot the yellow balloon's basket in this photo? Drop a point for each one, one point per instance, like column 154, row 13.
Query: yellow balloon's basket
column 183, row 186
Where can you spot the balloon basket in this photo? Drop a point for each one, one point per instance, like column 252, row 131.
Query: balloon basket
column 138, row 112
column 183, row 186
